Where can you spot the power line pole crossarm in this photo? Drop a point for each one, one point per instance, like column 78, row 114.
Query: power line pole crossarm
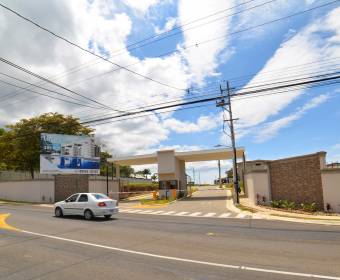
column 222, row 103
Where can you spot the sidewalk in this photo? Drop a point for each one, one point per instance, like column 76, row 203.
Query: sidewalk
column 271, row 214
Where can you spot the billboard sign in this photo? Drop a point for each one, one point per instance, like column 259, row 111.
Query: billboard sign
column 68, row 154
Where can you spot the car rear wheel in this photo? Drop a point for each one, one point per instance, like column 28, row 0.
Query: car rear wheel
column 58, row 212
column 88, row 215
column 107, row 216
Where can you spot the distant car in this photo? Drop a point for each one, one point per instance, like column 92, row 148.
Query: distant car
column 88, row 205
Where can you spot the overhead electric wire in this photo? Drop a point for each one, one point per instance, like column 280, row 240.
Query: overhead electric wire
column 86, row 50
column 51, row 82
column 213, row 93
column 234, row 99
column 46, row 95
column 216, row 98
column 228, row 34
column 237, row 32
column 46, row 89
column 78, row 68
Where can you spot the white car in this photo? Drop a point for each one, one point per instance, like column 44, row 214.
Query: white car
column 88, row 205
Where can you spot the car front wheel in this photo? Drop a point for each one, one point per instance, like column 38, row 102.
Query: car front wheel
column 88, row 215
column 58, row 212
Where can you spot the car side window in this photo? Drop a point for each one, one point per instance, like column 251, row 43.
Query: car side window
column 83, row 198
column 72, row 198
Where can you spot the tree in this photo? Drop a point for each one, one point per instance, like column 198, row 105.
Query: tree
column 20, row 143
column 154, row 177
column 146, row 172
column 125, row 171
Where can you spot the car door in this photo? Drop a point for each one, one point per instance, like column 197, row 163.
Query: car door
column 69, row 208
column 81, row 204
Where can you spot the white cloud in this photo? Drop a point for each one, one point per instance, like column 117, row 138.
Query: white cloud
column 203, row 60
column 170, row 24
column 141, row 5
column 308, row 45
column 269, row 130
column 203, row 123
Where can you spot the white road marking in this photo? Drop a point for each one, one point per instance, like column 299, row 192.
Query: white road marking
column 240, row 216
column 181, row 213
column 157, row 212
column 134, row 210
column 146, row 211
column 168, row 213
column 185, row 260
column 225, row 215
column 209, row 215
column 195, row 214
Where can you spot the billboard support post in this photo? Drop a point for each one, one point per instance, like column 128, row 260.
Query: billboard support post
column 107, row 179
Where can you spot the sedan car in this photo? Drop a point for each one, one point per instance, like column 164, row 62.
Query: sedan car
column 88, row 205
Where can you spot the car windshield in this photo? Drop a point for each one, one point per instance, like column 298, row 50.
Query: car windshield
column 99, row 196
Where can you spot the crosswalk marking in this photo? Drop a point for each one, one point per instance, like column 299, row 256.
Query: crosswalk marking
column 195, row 214
column 225, row 215
column 168, row 213
column 134, row 211
column 146, row 211
column 157, row 212
column 209, row 215
column 181, row 213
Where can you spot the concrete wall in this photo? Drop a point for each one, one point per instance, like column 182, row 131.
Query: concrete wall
column 41, row 191
column 297, row 179
column 258, row 184
column 99, row 186
column 331, row 188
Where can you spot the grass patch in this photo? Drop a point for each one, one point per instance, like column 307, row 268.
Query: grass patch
column 4, row 201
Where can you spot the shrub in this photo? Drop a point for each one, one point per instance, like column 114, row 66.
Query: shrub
column 276, row 203
column 288, row 204
column 309, row 207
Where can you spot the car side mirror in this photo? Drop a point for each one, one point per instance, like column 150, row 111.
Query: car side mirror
column 66, row 200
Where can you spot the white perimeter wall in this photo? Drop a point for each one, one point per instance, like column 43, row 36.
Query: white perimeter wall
column 99, row 186
column 258, row 184
column 331, row 188
column 28, row 191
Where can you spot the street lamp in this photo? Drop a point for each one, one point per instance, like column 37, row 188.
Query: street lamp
column 219, row 164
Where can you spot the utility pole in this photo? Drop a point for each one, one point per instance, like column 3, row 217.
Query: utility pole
column 219, row 173
column 193, row 174
column 222, row 104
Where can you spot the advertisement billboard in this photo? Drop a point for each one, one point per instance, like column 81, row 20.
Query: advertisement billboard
column 68, row 154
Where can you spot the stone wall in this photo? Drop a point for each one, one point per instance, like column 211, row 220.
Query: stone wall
column 65, row 185
column 297, row 179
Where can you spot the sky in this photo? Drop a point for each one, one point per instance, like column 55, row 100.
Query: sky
column 207, row 44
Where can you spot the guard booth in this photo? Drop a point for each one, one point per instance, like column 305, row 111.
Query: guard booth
column 171, row 166
column 169, row 189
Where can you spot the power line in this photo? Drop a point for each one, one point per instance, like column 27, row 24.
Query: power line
column 51, row 82
column 86, row 50
column 218, row 38
column 329, row 78
column 46, row 95
column 17, row 79
column 222, row 37
column 213, row 105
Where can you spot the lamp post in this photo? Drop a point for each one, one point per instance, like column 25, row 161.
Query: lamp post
column 219, row 165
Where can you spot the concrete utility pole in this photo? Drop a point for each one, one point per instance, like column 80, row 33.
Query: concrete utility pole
column 219, row 173
column 222, row 104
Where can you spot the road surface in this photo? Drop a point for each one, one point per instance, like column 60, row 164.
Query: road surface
column 132, row 246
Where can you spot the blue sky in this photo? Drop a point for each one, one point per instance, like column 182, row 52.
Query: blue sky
column 269, row 127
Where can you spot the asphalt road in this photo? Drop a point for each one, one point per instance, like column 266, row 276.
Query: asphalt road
column 135, row 246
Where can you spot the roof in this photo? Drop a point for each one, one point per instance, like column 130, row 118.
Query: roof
column 191, row 156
